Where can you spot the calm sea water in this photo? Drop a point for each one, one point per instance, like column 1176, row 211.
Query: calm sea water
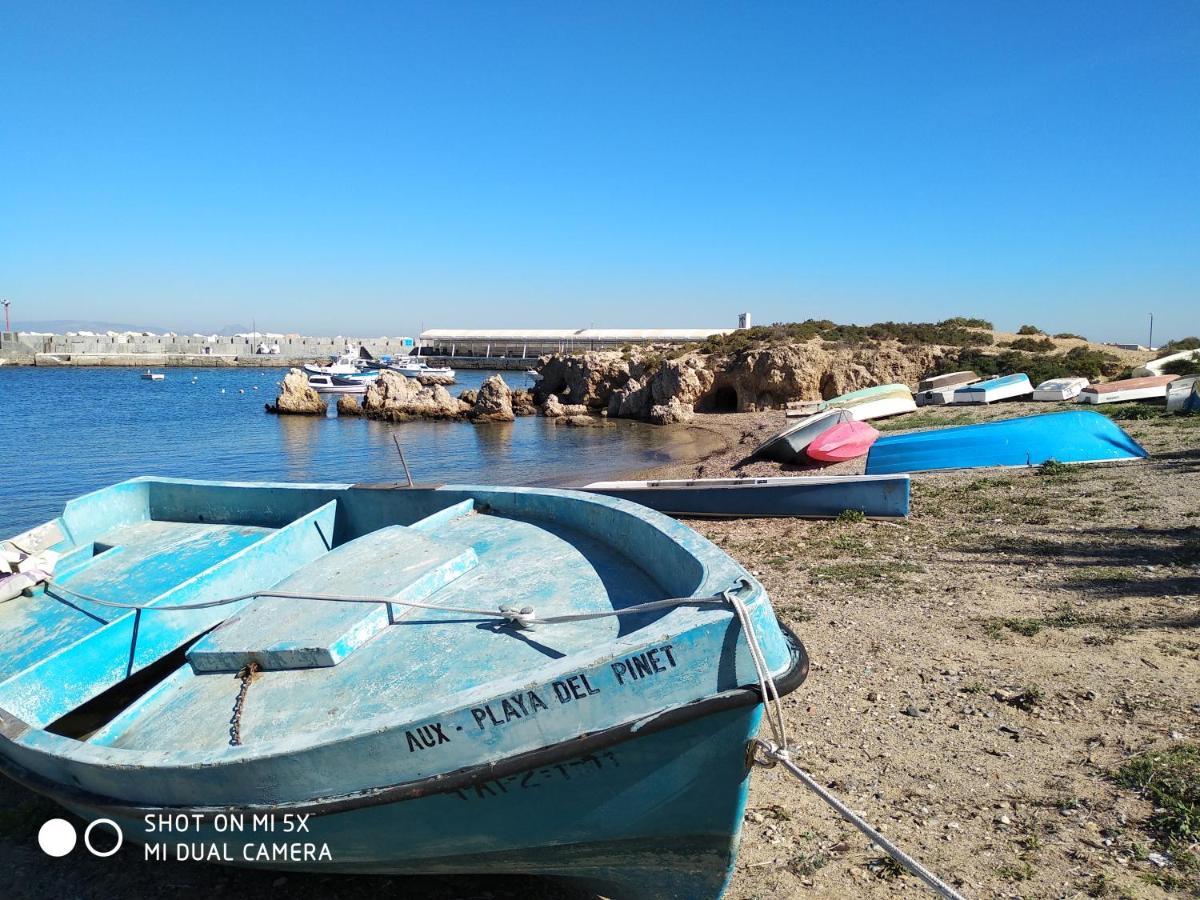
column 67, row 431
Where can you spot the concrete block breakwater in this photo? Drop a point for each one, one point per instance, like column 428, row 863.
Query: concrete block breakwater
column 18, row 348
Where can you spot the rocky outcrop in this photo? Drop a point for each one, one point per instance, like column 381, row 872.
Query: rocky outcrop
column 395, row 398
column 672, row 412
column 647, row 383
column 468, row 396
column 431, row 378
column 297, row 398
column 553, row 408
column 522, row 402
column 348, row 406
column 493, row 402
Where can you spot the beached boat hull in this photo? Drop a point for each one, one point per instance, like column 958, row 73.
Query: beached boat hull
column 843, row 442
column 1148, row 388
column 949, row 380
column 875, row 402
column 1074, row 436
column 935, row 396
column 1183, row 394
column 995, row 389
column 1059, row 389
column 491, row 754
column 788, row 444
column 797, row 497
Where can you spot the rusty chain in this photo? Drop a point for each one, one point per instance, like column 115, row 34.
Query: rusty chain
column 235, row 722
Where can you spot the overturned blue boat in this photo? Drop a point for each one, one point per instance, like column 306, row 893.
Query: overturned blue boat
column 875, row 496
column 450, row 679
column 1075, row 436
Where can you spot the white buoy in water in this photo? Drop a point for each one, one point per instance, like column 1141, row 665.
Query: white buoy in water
column 241, row 390
column 222, row 390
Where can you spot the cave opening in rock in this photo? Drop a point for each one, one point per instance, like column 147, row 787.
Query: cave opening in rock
column 724, row 399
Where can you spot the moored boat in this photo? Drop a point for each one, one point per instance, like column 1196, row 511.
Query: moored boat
column 338, row 384
column 1073, row 436
column 152, row 376
column 1006, row 387
column 301, row 608
column 1059, row 389
column 1183, row 394
column 1150, row 387
column 788, row 444
column 880, row 497
column 842, row 442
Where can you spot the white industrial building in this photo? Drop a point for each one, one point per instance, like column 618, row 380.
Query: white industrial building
column 522, row 342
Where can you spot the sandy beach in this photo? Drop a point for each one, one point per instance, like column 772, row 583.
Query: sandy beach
column 979, row 671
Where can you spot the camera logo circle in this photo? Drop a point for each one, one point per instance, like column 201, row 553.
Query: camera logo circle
column 57, row 837
column 87, row 838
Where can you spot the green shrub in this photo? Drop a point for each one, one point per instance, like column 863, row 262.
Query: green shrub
column 1029, row 329
column 1189, row 365
column 1079, row 361
column 1067, row 334
column 1187, row 343
column 964, row 322
column 948, row 333
column 1029, row 345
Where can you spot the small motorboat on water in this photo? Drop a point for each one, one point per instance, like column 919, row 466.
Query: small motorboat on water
column 1006, row 387
column 1074, row 436
column 787, row 445
column 346, row 366
column 1059, row 389
column 415, row 367
column 152, row 376
column 439, row 680
column 1150, row 387
column 338, row 384
column 878, row 497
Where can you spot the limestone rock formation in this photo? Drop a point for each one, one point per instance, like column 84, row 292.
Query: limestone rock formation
column 493, row 403
column 347, row 405
column 432, row 378
column 395, row 398
column 672, row 412
column 468, row 396
column 553, row 408
column 643, row 382
column 297, row 398
column 522, row 402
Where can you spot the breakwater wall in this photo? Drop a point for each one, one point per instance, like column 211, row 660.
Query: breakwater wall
column 181, row 350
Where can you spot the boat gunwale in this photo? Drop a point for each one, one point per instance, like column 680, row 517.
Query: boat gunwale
column 590, row 742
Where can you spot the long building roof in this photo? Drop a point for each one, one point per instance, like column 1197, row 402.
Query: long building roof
column 569, row 334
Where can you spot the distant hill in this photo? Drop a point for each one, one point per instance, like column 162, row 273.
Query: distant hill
column 61, row 326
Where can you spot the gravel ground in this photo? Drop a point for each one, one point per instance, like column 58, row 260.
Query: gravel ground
column 979, row 672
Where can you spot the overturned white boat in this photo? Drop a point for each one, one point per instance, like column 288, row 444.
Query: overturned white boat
column 1059, row 389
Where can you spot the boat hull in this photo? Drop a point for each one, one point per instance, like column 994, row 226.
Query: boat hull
column 796, row 497
column 1059, row 389
column 1149, row 388
column 789, row 444
column 1183, row 394
column 994, row 390
column 843, row 442
column 1074, row 436
column 655, row 816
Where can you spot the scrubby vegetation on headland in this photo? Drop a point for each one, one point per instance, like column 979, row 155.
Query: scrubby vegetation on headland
column 768, row 365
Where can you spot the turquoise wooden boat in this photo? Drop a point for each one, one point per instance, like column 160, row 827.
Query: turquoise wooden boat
column 1075, row 436
column 875, row 496
column 383, row 667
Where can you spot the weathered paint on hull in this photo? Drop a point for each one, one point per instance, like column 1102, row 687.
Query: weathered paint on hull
column 653, row 817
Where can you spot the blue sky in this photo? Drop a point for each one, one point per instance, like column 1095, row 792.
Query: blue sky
column 375, row 167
